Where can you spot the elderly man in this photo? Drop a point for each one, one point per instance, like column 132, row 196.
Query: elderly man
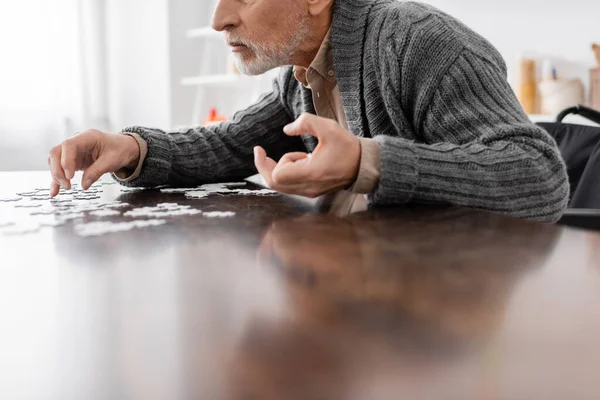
column 394, row 100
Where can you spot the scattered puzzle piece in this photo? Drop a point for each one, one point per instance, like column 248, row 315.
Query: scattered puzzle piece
column 197, row 194
column 170, row 205
column 116, row 205
column 28, row 205
column 9, row 199
column 219, row 214
column 43, row 212
column 57, row 200
column 23, row 228
column 175, row 190
column 162, row 210
column 175, row 213
column 210, row 187
column 75, row 204
column 261, row 192
column 131, row 189
column 105, row 213
column 39, row 198
column 30, row 194
column 219, row 188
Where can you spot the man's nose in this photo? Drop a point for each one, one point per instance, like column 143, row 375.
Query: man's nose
column 225, row 16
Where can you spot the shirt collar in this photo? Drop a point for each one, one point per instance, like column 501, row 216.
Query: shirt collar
column 322, row 64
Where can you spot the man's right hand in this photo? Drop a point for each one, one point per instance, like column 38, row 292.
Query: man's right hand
column 93, row 152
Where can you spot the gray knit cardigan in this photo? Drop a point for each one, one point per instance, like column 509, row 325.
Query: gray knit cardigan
column 429, row 90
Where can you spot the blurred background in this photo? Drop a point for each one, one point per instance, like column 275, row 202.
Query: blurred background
column 70, row 65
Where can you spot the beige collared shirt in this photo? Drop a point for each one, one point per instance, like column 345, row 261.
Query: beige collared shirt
column 321, row 80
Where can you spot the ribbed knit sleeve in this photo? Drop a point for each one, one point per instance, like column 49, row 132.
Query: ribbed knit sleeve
column 475, row 146
column 221, row 152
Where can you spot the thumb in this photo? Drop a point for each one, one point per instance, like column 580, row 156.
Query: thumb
column 92, row 173
column 305, row 124
column 264, row 165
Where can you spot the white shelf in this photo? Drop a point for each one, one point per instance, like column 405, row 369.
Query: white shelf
column 205, row 32
column 570, row 119
column 211, row 80
column 535, row 118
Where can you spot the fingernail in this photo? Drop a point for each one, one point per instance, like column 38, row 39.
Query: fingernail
column 87, row 183
column 287, row 127
column 256, row 151
column 69, row 174
column 63, row 183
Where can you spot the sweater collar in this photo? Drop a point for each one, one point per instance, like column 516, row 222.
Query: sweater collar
column 347, row 37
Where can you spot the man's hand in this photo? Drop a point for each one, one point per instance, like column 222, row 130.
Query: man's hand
column 332, row 166
column 93, row 152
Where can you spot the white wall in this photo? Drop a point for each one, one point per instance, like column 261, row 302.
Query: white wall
column 185, row 54
column 148, row 55
column 51, row 76
column 203, row 56
column 560, row 29
column 138, row 63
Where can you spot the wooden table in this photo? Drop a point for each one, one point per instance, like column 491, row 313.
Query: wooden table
column 285, row 302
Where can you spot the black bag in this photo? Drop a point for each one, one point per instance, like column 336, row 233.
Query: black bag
column 580, row 148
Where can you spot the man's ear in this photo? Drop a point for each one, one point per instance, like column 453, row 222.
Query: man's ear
column 317, row 7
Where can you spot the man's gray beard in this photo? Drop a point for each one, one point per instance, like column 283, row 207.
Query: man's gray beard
column 268, row 57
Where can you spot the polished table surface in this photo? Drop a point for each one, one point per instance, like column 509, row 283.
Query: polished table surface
column 284, row 301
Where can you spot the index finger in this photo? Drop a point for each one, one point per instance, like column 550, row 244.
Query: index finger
column 58, row 174
column 69, row 155
column 264, row 165
column 54, row 189
column 293, row 168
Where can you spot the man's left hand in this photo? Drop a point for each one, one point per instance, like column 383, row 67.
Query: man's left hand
column 332, row 166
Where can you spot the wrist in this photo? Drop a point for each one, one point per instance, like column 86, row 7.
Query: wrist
column 355, row 168
column 132, row 153
column 369, row 172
